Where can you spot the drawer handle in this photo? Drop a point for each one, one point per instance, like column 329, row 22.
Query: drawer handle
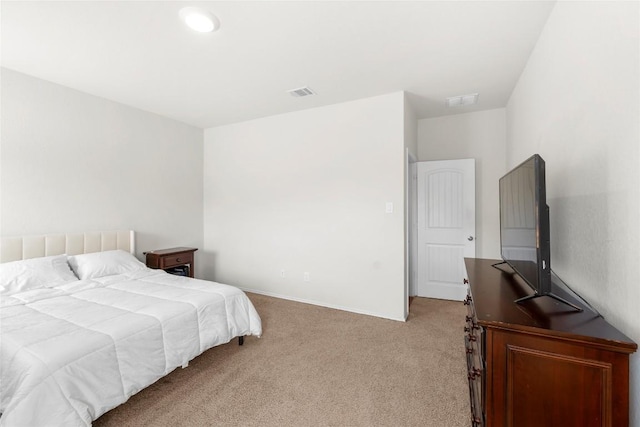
column 178, row 260
column 473, row 327
column 474, row 373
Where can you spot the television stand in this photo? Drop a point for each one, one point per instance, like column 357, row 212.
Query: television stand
column 511, row 272
column 497, row 264
column 556, row 297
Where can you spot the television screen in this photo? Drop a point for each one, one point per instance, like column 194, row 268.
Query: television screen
column 524, row 224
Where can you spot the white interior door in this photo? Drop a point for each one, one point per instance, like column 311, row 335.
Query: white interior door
column 446, row 226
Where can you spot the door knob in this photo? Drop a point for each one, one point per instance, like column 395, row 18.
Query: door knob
column 470, row 238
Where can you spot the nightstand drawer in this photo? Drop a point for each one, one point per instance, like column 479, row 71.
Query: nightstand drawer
column 172, row 257
column 175, row 260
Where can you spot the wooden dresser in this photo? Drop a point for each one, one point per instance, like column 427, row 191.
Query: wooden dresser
column 541, row 363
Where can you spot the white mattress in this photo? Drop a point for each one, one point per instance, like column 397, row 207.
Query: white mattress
column 71, row 353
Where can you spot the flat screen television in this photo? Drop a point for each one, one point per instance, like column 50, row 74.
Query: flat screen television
column 525, row 243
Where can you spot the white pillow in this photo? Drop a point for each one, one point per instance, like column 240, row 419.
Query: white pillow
column 34, row 273
column 108, row 263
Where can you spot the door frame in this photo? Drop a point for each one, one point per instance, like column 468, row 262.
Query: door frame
column 410, row 227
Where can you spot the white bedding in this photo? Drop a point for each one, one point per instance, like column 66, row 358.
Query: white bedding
column 70, row 353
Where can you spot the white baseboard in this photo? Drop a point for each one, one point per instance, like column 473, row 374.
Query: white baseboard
column 321, row 304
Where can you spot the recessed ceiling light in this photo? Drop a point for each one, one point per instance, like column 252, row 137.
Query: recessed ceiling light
column 462, row 100
column 199, row 19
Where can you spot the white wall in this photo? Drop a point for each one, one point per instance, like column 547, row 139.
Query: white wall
column 482, row 136
column 577, row 105
column 76, row 162
column 306, row 192
column 410, row 128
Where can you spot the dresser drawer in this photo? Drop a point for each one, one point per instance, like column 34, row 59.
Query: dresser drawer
column 476, row 377
column 475, row 352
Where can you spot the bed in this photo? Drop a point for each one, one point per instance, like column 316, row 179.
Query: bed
column 84, row 325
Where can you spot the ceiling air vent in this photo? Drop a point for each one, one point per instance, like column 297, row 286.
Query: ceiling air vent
column 462, row 100
column 301, row 91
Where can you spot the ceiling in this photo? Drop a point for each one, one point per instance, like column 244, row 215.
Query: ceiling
column 139, row 53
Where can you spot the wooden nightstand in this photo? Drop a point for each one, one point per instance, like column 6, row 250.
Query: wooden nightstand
column 172, row 257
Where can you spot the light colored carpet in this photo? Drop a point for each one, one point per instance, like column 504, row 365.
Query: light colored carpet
column 316, row 366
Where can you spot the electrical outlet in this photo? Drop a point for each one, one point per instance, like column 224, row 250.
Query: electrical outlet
column 306, row 277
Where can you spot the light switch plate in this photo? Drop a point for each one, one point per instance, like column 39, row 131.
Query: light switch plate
column 389, row 207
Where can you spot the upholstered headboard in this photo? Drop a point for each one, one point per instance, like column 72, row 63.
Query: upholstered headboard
column 25, row 247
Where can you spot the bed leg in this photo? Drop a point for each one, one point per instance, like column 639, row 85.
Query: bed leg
column 240, row 340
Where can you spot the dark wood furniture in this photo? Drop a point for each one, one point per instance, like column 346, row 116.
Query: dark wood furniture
column 172, row 257
column 541, row 363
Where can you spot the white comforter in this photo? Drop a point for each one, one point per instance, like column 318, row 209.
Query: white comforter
column 71, row 353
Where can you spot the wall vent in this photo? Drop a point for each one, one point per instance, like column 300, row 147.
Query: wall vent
column 301, row 91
